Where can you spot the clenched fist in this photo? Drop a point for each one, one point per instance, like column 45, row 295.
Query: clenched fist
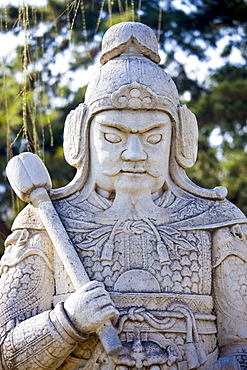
column 89, row 307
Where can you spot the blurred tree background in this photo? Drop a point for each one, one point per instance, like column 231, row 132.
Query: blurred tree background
column 44, row 77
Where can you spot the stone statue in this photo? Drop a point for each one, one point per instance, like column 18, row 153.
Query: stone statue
column 166, row 259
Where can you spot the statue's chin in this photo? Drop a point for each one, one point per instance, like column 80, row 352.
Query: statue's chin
column 136, row 183
column 131, row 188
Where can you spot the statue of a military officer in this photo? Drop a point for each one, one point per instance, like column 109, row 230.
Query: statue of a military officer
column 166, row 258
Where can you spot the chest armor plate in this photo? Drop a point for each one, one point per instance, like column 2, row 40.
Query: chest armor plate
column 136, row 257
column 160, row 284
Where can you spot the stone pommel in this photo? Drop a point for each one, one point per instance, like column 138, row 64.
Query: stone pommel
column 119, row 37
column 26, row 172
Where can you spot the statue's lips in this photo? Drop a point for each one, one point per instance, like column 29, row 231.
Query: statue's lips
column 134, row 172
column 128, row 170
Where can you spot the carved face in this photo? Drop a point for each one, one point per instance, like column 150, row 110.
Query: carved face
column 130, row 150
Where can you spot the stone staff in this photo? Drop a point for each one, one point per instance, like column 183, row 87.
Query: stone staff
column 30, row 180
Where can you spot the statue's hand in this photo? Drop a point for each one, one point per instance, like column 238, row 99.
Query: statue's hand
column 89, row 307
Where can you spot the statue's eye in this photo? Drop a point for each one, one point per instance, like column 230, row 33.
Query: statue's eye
column 154, row 139
column 112, row 138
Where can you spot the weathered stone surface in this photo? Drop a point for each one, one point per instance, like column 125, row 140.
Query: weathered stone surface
column 167, row 259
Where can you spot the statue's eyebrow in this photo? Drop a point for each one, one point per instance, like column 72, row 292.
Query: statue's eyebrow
column 128, row 129
column 116, row 125
column 152, row 127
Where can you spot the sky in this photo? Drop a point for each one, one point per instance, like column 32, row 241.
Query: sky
column 193, row 66
column 21, row 2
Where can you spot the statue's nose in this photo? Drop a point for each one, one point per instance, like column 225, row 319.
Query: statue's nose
column 134, row 151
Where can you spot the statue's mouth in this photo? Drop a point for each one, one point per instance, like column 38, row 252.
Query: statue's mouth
column 127, row 169
column 133, row 172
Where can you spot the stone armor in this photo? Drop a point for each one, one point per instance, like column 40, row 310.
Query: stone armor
column 171, row 255
column 170, row 325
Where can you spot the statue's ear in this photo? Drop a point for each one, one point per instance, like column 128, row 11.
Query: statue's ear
column 186, row 137
column 75, row 140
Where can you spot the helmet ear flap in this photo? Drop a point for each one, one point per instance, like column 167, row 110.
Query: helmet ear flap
column 75, row 138
column 186, row 137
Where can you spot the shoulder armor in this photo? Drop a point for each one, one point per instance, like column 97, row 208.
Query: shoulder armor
column 230, row 282
column 28, row 218
column 26, row 275
column 230, row 241
column 22, row 244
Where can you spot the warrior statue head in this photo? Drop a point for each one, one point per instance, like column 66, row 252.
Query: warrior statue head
column 133, row 91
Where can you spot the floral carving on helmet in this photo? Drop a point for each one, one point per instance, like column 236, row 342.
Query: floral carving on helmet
column 134, row 96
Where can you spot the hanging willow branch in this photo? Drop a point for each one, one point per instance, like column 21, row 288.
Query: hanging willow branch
column 43, row 33
column 35, row 97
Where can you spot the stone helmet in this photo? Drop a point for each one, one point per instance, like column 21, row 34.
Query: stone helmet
column 130, row 78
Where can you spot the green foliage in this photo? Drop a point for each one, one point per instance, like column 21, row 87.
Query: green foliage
column 207, row 169
column 224, row 105
column 234, row 175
